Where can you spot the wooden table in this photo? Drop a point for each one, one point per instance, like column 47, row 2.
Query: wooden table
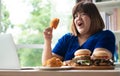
column 115, row 72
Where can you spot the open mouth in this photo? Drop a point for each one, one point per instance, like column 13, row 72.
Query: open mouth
column 80, row 24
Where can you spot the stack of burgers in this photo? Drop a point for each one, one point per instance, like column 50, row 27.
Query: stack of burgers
column 83, row 58
column 101, row 58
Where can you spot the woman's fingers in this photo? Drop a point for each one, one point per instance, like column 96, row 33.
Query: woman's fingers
column 48, row 33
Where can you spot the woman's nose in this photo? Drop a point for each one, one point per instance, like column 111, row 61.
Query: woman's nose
column 79, row 17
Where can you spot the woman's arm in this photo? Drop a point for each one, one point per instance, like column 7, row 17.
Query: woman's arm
column 47, row 50
column 47, row 45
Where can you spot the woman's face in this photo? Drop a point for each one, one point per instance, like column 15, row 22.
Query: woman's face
column 82, row 22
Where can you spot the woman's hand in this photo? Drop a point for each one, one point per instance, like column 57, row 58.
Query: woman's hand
column 48, row 34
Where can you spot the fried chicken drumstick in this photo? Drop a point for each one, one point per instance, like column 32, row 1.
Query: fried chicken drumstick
column 54, row 23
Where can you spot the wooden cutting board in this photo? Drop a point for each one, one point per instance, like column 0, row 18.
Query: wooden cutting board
column 93, row 67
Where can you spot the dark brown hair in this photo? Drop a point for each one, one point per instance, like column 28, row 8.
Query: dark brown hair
column 83, row 0
column 91, row 10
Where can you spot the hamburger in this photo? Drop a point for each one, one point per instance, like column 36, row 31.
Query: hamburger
column 82, row 57
column 101, row 58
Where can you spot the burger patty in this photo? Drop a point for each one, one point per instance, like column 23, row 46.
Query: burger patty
column 102, row 62
column 82, row 60
column 97, row 62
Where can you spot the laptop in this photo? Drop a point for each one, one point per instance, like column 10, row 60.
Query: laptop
column 8, row 53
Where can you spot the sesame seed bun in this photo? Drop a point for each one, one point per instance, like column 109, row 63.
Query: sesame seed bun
column 82, row 52
column 101, row 55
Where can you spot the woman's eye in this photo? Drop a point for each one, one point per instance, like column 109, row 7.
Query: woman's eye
column 76, row 15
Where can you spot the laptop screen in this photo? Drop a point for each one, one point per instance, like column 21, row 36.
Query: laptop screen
column 8, row 53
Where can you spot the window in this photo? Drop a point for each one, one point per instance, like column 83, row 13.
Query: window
column 26, row 21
